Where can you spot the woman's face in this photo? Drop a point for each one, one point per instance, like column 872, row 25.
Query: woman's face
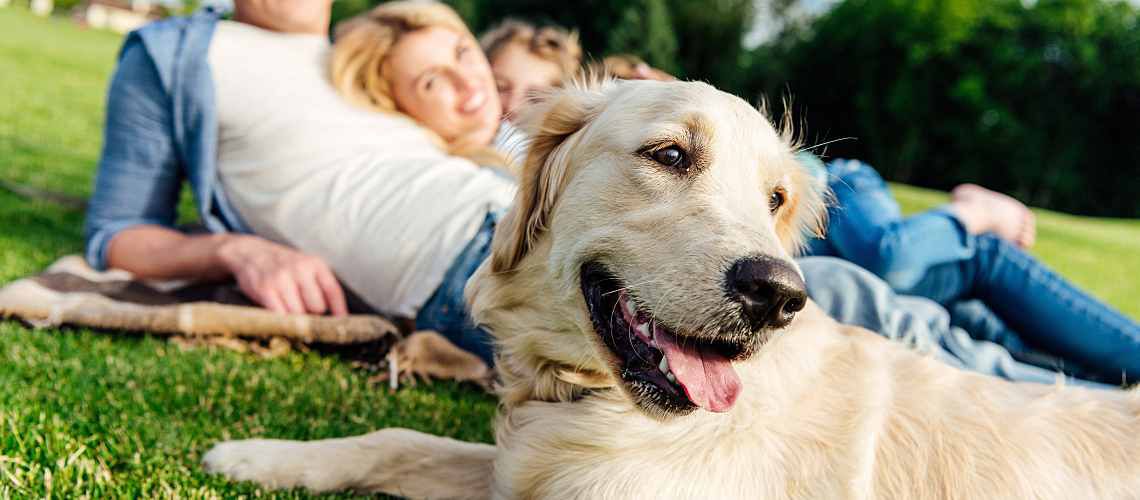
column 519, row 73
column 441, row 79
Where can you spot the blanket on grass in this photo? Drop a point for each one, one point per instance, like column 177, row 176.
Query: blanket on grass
column 70, row 293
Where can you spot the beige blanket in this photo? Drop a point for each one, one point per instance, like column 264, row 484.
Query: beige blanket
column 70, row 293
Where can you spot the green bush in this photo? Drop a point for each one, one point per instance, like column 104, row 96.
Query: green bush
column 1038, row 100
column 696, row 39
column 642, row 27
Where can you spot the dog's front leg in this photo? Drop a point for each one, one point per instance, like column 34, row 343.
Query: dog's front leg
column 394, row 461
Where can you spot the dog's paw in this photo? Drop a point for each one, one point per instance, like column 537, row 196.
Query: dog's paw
column 271, row 463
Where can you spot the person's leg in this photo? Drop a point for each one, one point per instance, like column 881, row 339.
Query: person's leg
column 854, row 296
column 981, row 323
column 446, row 310
column 992, row 359
column 866, row 227
column 1049, row 312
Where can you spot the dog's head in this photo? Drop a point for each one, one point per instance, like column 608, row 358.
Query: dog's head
column 650, row 243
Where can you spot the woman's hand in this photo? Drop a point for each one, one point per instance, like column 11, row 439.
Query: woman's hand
column 281, row 278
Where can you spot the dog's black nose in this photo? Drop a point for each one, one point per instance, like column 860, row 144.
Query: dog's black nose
column 771, row 291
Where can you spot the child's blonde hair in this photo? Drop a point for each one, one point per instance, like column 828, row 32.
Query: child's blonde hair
column 551, row 43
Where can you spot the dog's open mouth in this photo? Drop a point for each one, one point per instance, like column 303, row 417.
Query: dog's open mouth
column 664, row 369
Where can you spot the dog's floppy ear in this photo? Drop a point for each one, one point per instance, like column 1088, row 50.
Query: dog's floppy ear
column 805, row 213
column 551, row 123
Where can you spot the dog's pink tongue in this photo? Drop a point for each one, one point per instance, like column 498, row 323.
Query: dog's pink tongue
column 708, row 377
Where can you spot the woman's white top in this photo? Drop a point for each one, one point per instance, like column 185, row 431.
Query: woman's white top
column 369, row 192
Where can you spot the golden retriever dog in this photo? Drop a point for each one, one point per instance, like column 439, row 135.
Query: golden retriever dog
column 655, row 341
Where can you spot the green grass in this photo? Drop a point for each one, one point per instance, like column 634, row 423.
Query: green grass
column 84, row 413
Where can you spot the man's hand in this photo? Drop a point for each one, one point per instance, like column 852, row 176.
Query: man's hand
column 275, row 276
column 280, row 278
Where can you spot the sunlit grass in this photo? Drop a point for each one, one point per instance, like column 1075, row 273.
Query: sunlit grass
column 85, row 413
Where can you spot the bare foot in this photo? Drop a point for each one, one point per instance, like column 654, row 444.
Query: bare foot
column 985, row 211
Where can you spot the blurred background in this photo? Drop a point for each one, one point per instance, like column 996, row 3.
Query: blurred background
column 1034, row 98
column 1038, row 99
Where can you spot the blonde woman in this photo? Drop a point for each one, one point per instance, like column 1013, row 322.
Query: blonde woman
column 526, row 58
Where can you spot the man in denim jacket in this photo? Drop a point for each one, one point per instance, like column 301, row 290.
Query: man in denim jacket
column 162, row 129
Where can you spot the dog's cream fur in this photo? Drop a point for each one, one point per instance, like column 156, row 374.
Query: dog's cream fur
column 827, row 411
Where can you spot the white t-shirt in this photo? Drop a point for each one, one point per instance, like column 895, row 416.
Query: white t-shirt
column 367, row 191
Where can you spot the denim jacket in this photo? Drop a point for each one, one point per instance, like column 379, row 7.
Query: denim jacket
column 161, row 129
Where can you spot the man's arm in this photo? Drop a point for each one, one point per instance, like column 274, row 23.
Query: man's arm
column 275, row 276
column 133, row 208
column 139, row 174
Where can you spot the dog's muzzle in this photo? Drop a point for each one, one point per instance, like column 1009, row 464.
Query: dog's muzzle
column 770, row 291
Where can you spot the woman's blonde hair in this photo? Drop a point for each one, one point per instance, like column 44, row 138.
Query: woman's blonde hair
column 362, row 45
column 551, row 43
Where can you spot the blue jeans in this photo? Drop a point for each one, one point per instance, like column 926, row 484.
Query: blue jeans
column 446, row 311
column 854, row 296
column 993, row 289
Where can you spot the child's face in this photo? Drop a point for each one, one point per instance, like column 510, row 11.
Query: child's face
column 519, row 73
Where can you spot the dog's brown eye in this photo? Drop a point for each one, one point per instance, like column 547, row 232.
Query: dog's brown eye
column 776, row 200
column 671, row 156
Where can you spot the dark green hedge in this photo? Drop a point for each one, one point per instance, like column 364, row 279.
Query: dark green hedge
column 690, row 38
column 1038, row 100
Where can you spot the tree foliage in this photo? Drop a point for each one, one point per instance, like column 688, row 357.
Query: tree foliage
column 1039, row 100
column 697, row 39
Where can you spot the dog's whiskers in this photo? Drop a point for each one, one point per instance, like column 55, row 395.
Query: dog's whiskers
column 630, row 337
column 610, row 331
column 629, row 332
column 631, row 286
column 809, row 148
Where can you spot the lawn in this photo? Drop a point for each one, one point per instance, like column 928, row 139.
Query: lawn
column 84, row 413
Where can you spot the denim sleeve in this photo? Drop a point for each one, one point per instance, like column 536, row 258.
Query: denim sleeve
column 139, row 176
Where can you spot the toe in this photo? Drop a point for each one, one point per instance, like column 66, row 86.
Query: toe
column 964, row 191
column 1028, row 234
